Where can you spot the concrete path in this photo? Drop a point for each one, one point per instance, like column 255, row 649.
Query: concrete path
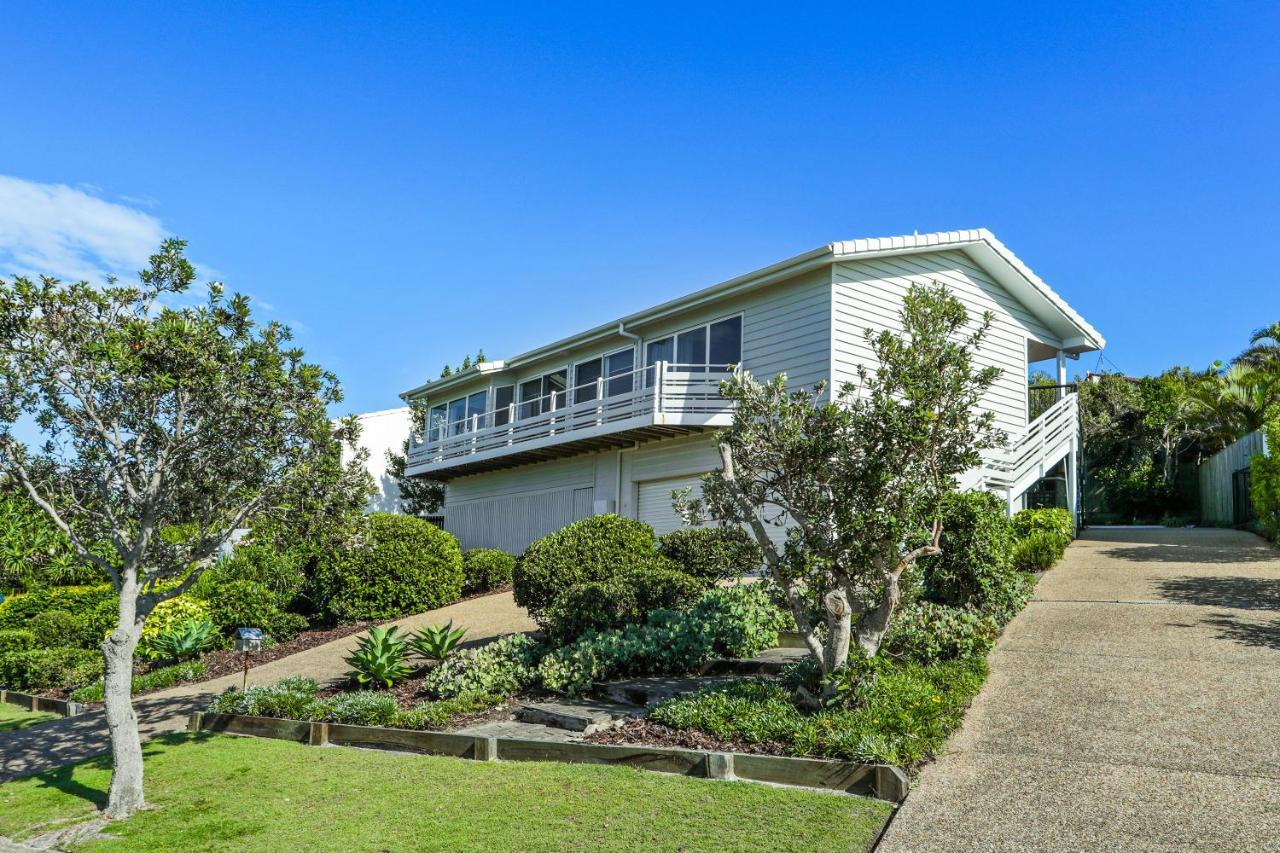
column 66, row 741
column 1134, row 705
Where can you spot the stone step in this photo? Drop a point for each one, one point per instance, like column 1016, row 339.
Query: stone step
column 650, row 691
column 768, row 662
column 587, row 716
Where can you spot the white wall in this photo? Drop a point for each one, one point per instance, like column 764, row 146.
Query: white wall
column 380, row 432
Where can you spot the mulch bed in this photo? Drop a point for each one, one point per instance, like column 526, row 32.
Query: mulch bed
column 229, row 662
column 647, row 733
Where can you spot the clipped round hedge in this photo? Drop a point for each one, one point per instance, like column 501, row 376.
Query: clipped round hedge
column 402, row 565
column 712, row 554
column 484, row 569
column 975, row 568
column 593, row 549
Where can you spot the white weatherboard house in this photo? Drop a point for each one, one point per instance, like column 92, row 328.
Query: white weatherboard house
column 617, row 417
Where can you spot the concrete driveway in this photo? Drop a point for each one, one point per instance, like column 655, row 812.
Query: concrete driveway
column 1134, row 705
column 51, row 745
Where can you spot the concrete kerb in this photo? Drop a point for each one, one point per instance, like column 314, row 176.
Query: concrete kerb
column 881, row 781
column 61, row 707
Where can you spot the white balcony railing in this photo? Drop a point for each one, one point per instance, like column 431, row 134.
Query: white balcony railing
column 660, row 394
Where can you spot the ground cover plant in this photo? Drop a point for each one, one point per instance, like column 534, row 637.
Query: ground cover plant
column 273, row 795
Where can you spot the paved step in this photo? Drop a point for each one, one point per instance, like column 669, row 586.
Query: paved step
column 587, row 716
column 650, row 691
column 768, row 662
column 522, row 731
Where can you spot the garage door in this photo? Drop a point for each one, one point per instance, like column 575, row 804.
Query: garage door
column 654, row 504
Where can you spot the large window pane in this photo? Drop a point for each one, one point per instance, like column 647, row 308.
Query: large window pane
column 621, row 363
column 458, row 416
column 726, row 343
column 531, row 398
column 585, row 376
column 691, row 348
column 661, row 350
column 554, row 384
column 476, row 405
column 436, row 419
column 502, row 398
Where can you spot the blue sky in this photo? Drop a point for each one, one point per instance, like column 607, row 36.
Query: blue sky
column 404, row 184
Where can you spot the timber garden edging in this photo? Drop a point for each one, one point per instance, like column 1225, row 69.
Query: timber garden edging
column 881, row 781
column 61, row 707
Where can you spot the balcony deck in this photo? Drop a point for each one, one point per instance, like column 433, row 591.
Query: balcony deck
column 659, row 401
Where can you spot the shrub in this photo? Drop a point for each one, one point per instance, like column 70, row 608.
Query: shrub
column 1055, row 521
column 501, row 668
column 974, row 567
column 291, row 698
column 624, row 599
column 251, row 604
column 1264, row 483
column 16, row 640
column 743, row 619
column 41, row 669
column 279, row 572
column 436, row 643
column 365, row 708
column 166, row 617
column 156, row 679
column 17, row 610
column 381, row 658
column 928, row 633
column 593, row 549
column 712, row 554
column 439, row 713
column 1037, row 551
column 750, row 710
column 55, row 628
column 185, row 641
column 403, row 564
column 485, row 569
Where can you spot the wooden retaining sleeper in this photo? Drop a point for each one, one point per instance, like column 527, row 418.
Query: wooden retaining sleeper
column 61, row 707
column 882, row 781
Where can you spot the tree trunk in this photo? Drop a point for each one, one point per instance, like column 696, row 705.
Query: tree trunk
column 839, row 634
column 125, row 796
column 874, row 623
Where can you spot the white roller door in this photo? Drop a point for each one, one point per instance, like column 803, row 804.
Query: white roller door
column 653, row 506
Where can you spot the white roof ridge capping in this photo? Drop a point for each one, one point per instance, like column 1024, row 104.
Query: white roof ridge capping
column 979, row 243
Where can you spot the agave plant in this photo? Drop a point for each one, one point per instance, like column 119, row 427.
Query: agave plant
column 185, row 641
column 437, row 643
column 380, row 658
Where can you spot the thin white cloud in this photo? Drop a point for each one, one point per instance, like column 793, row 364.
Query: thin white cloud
column 71, row 233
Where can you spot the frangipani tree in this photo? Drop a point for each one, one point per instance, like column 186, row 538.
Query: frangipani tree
column 165, row 428
column 861, row 476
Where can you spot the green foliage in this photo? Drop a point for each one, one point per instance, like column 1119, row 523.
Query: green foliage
column 485, row 569
column 156, row 679
column 16, row 640
column 712, row 554
column 380, row 658
column 501, row 668
column 1265, row 483
column 855, row 683
column 624, row 599
column 401, row 565
column 593, row 549
column 245, row 603
column 34, row 552
column 54, row 628
column 41, row 669
column 861, row 471
column 974, row 568
column 418, row 495
column 929, row 633
column 1042, row 537
column 1055, row 521
column 439, row 713
column 168, row 616
column 290, row 699
column 904, row 718
column 364, row 708
column 279, row 572
column 744, row 619
column 185, row 641
column 16, row 611
column 438, row 642
column 1037, row 552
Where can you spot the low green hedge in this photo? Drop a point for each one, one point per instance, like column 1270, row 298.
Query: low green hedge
column 402, row 565
column 712, row 554
column 42, row 669
column 620, row 600
column 17, row 610
column 486, row 569
column 16, row 640
column 157, row 679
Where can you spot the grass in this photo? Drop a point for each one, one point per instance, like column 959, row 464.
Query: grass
column 217, row 792
column 13, row 718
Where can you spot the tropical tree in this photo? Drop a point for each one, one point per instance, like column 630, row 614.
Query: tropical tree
column 165, row 428
column 861, row 476
column 1235, row 401
column 1264, row 349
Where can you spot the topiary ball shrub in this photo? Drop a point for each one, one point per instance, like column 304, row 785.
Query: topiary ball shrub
column 401, row 565
column 248, row 604
column 593, row 549
column 975, row 567
column 486, row 569
column 624, row 599
column 55, row 628
column 16, row 640
column 712, row 554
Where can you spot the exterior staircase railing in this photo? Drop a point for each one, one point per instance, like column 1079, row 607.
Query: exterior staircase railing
column 1011, row 470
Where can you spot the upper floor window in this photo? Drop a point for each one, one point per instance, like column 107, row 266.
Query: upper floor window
column 714, row 346
column 457, row 416
column 544, row 394
column 588, row 376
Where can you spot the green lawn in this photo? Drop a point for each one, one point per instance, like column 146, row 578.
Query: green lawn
column 217, row 792
column 13, row 718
